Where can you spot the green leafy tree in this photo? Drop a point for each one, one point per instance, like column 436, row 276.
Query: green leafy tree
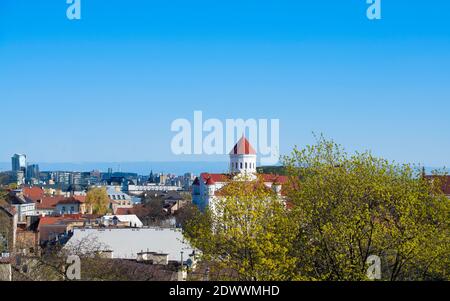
column 350, row 207
column 98, row 200
column 247, row 235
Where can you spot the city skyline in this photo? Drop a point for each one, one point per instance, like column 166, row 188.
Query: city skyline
column 261, row 144
column 106, row 88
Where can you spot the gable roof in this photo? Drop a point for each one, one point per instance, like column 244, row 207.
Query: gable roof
column 210, row 182
column 48, row 202
column 55, row 220
column 81, row 198
column 136, row 209
column 243, row 147
column 70, row 200
column 34, row 193
column 125, row 211
column 215, row 177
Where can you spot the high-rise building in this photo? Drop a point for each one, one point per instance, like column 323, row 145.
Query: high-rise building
column 19, row 167
column 33, row 172
column 62, row 177
column 19, row 163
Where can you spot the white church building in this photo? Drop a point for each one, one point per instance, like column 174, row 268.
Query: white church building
column 242, row 166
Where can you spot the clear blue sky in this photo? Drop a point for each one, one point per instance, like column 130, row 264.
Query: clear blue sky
column 107, row 87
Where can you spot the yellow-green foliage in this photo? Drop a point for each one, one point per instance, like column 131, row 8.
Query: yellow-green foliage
column 352, row 207
column 98, row 199
column 248, row 235
column 345, row 208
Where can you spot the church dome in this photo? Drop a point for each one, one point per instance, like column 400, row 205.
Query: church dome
column 243, row 147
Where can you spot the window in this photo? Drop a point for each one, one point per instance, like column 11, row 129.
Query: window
column 246, row 165
column 241, row 165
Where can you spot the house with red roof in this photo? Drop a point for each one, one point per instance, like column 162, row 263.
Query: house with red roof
column 47, row 205
column 53, row 228
column 242, row 166
column 73, row 205
column 33, row 193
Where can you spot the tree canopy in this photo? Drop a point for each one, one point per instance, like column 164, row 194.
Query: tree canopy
column 342, row 210
column 98, row 199
column 247, row 235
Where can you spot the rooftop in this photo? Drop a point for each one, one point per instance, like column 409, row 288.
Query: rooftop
column 126, row 243
column 243, row 147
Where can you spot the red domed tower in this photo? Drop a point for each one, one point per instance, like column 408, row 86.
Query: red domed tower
column 243, row 157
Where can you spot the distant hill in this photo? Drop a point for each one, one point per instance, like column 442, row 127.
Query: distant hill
column 279, row 170
column 142, row 168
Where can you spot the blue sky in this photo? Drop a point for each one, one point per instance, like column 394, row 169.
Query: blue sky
column 107, row 87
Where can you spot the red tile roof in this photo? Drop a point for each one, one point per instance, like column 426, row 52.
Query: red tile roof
column 210, row 182
column 71, row 200
column 49, row 220
column 81, row 198
column 125, row 211
column 269, row 178
column 243, row 147
column 48, row 202
column 215, row 177
column 34, row 193
column 54, row 220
